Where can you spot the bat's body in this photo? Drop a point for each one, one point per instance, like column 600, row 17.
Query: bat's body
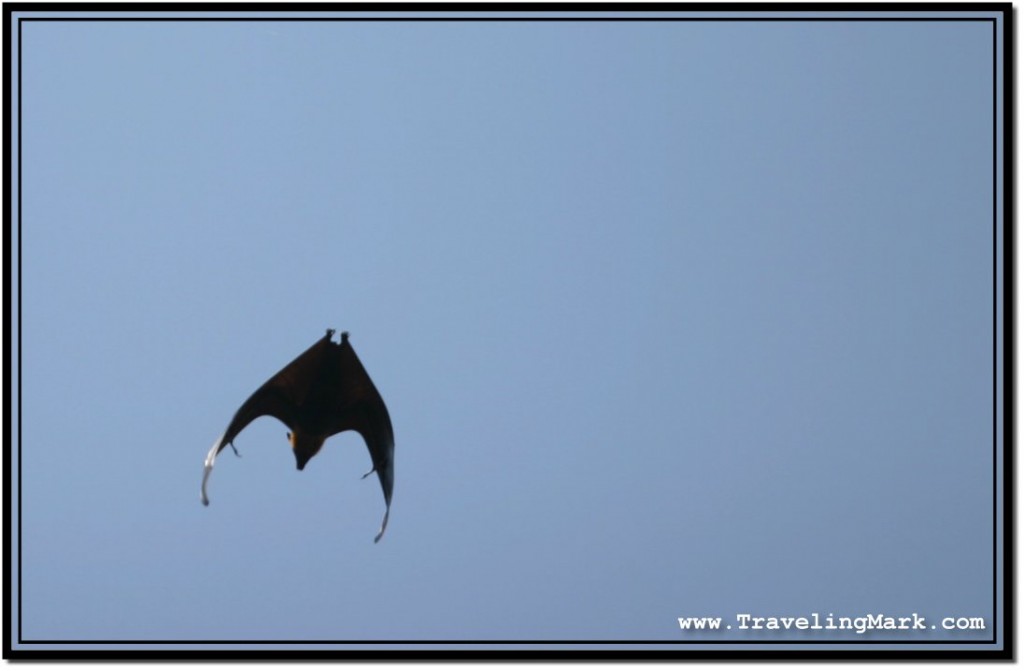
column 324, row 391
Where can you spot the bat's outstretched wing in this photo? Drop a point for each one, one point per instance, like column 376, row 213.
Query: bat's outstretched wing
column 358, row 406
column 279, row 397
column 324, row 391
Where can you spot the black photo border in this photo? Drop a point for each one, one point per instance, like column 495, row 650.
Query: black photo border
column 999, row 647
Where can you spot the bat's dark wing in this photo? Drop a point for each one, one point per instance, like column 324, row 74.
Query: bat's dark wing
column 324, row 391
column 358, row 406
column 282, row 394
column 279, row 397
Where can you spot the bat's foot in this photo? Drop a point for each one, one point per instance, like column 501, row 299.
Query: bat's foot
column 344, row 337
column 330, row 332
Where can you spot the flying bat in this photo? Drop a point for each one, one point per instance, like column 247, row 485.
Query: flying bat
column 324, row 391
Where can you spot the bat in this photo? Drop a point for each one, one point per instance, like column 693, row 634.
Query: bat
column 324, row 391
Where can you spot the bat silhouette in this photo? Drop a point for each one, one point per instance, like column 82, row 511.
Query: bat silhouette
column 324, row 391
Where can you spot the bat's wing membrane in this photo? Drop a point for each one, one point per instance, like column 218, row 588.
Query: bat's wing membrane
column 358, row 406
column 278, row 397
column 281, row 395
column 270, row 399
column 337, row 387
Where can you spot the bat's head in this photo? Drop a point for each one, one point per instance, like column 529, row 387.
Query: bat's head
column 305, row 447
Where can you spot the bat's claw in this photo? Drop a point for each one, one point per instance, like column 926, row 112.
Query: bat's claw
column 235, row 449
column 368, row 473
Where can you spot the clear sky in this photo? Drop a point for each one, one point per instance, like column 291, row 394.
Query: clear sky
column 672, row 319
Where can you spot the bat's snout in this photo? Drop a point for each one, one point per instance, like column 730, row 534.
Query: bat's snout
column 304, row 447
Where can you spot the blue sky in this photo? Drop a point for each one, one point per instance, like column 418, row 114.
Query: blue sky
column 672, row 319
